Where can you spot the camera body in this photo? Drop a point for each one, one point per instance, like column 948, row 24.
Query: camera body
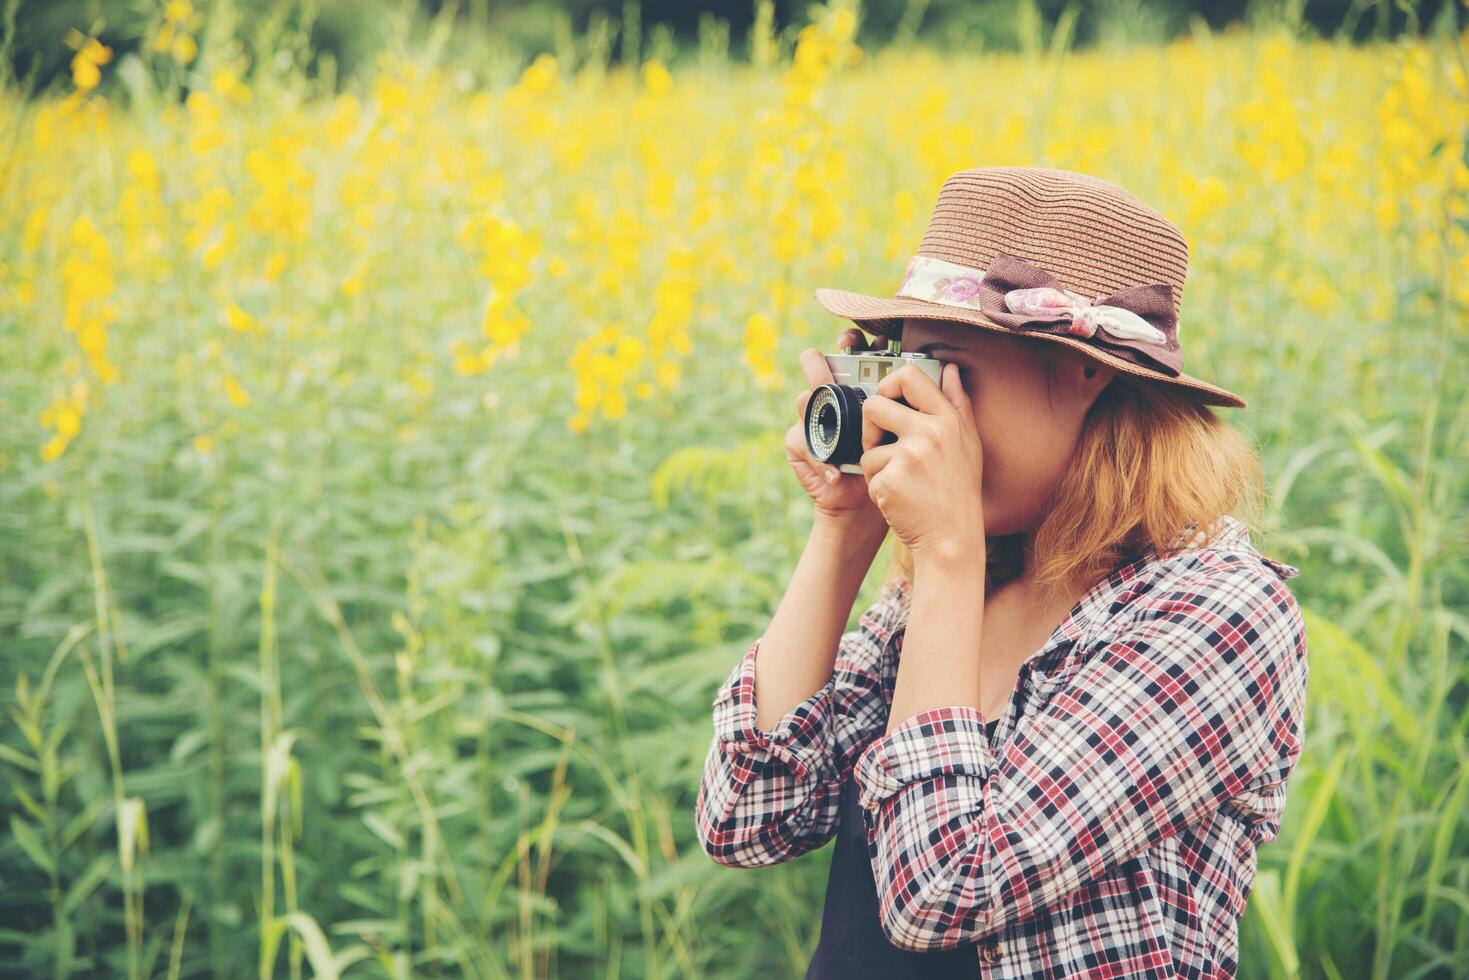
column 834, row 412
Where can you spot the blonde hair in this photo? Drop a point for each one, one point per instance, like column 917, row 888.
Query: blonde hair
column 1150, row 462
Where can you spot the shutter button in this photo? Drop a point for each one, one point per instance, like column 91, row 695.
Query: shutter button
column 992, row 952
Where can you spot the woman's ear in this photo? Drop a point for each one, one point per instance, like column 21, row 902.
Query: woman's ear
column 1087, row 377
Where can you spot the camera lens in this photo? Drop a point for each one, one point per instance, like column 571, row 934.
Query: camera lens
column 834, row 423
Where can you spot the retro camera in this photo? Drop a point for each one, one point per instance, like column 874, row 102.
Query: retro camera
column 834, row 412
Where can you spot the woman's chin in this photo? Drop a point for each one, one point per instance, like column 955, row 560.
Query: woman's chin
column 999, row 524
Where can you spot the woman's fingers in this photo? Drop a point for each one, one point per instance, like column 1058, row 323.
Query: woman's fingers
column 813, row 363
column 798, row 454
column 886, row 419
column 857, row 339
column 873, row 460
column 916, row 388
column 796, row 445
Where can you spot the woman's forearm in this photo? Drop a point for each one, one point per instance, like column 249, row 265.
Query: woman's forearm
column 940, row 661
column 798, row 650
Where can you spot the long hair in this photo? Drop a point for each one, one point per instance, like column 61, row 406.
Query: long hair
column 1151, row 462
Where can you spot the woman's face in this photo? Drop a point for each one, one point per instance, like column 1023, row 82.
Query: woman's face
column 1029, row 430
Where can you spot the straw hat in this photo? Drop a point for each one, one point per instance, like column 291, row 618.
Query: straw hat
column 1063, row 256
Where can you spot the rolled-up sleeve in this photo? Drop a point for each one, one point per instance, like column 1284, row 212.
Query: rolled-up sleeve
column 800, row 739
column 1197, row 689
column 768, row 796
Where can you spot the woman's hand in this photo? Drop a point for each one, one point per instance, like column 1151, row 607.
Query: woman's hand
column 929, row 483
column 842, row 497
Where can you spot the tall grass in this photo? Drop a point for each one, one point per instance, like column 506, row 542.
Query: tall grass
column 388, row 479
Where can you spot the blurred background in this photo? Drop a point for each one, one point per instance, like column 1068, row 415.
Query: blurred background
column 340, row 37
column 391, row 462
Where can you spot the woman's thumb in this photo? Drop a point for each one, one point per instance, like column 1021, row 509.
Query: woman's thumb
column 954, row 388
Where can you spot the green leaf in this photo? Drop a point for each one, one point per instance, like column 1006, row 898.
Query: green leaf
column 20, row 759
column 1266, row 905
column 30, row 842
column 318, row 948
column 86, row 883
column 383, row 829
column 83, row 821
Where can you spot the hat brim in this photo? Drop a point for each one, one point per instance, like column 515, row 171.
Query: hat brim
column 880, row 315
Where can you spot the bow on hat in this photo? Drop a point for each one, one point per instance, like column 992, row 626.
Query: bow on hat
column 1135, row 323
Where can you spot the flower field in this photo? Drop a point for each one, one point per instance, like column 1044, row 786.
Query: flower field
column 389, row 476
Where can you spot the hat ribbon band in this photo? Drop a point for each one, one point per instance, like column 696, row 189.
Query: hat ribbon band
column 1135, row 323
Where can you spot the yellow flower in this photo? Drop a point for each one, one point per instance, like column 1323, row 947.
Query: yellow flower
column 656, row 78
column 203, row 444
column 226, row 81
column 468, row 361
column 92, row 339
column 237, row 395
column 84, row 64
column 215, row 252
column 542, row 74
column 84, row 73
column 761, row 336
column 68, row 422
column 239, row 320
column 35, row 228
column 53, row 448
column 184, row 48
column 904, row 204
column 615, row 404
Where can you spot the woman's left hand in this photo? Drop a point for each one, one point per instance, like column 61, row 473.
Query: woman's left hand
column 928, row 484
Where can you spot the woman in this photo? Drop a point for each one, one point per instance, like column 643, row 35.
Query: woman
column 1055, row 742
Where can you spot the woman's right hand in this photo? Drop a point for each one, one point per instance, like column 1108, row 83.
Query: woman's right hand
column 843, row 499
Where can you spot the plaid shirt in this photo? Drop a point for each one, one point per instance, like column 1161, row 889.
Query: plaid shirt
column 1109, row 830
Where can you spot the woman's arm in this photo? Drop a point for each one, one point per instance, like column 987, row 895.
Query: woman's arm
column 799, row 646
column 1198, row 690
column 771, row 791
column 947, row 621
